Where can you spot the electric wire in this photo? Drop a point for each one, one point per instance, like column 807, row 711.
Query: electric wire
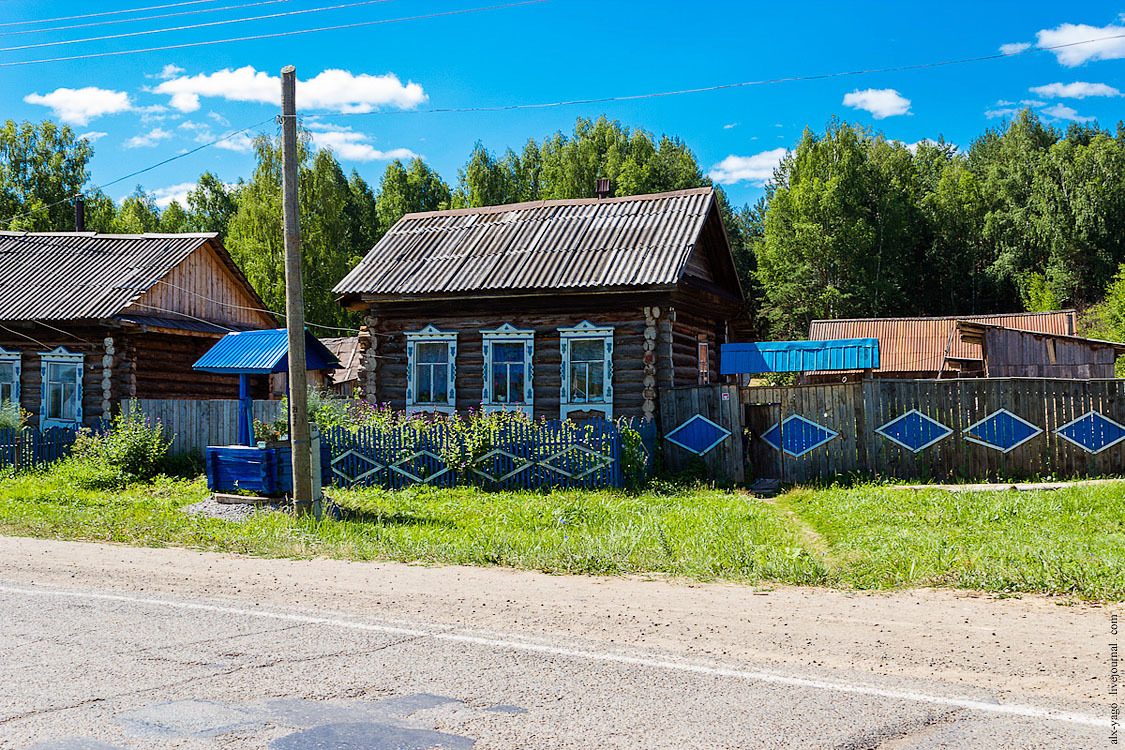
column 274, row 35
column 206, row 24
column 143, row 18
column 108, row 13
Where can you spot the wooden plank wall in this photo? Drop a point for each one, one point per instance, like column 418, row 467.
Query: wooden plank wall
column 856, row 410
column 195, row 424
column 677, row 405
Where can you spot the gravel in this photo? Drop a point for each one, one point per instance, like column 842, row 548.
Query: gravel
column 228, row 511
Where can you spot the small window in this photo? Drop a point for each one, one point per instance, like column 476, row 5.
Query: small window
column 431, row 372
column 507, row 368
column 704, row 363
column 62, row 389
column 9, row 377
column 587, row 369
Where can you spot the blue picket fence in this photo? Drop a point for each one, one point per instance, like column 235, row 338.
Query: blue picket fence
column 516, row 456
column 28, row 448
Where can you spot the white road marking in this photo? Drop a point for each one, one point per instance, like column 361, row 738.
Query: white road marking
column 1011, row 709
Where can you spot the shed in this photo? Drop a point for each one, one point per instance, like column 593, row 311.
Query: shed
column 799, row 356
column 265, row 352
column 1011, row 353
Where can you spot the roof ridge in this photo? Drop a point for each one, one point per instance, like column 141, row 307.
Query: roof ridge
column 543, row 203
column 948, row 317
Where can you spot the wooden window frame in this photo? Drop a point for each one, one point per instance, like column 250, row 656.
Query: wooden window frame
column 59, row 356
column 14, row 359
column 567, row 336
column 703, row 354
column 431, row 334
column 508, row 334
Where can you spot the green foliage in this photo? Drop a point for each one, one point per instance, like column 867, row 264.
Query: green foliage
column 138, row 214
column 41, row 164
column 404, row 191
column 133, row 449
column 212, row 204
column 13, row 416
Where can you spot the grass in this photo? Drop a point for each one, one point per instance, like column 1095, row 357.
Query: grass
column 1069, row 542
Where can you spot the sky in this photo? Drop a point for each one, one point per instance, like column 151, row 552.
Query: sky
column 369, row 92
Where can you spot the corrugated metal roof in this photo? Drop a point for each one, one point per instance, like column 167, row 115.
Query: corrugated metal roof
column 631, row 241
column 919, row 344
column 261, row 352
column 76, row 275
column 345, row 349
column 799, row 356
column 181, row 324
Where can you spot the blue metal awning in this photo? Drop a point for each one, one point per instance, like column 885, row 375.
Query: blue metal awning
column 799, row 356
column 262, row 352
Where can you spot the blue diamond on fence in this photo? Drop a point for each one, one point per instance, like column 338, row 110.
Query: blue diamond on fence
column 698, row 435
column 1001, row 430
column 797, row 435
column 914, row 431
column 1092, row 432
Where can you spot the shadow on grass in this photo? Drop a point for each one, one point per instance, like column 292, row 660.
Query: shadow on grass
column 386, row 519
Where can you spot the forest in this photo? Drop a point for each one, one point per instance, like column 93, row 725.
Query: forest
column 1027, row 217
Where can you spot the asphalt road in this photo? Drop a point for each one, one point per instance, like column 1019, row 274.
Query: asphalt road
column 107, row 647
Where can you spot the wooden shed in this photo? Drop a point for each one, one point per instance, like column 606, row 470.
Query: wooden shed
column 561, row 308
column 88, row 319
column 1012, row 353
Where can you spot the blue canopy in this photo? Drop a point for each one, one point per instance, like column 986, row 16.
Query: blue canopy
column 799, row 356
column 262, row 352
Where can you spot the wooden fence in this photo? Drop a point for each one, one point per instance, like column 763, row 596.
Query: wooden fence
column 195, row 424
column 29, row 448
column 518, row 456
column 912, row 429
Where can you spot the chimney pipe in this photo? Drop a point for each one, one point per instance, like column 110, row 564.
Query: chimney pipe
column 80, row 214
column 601, row 187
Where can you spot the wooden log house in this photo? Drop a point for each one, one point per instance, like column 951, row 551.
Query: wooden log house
column 559, row 308
column 88, row 320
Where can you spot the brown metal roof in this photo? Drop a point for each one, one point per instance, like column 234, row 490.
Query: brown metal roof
column 919, row 344
column 81, row 275
column 632, row 241
column 345, row 349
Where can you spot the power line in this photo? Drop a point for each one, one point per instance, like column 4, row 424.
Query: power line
column 146, row 32
column 70, row 198
column 718, row 87
column 107, row 13
column 273, row 35
column 142, row 18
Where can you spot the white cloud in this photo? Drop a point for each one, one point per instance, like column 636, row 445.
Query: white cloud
column 756, row 169
column 1014, row 48
column 168, row 71
column 879, row 102
column 240, row 143
column 165, row 195
column 731, row 125
column 1004, row 103
column 219, row 118
column 312, row 124
column 352, row 146
column 1076, row 90
column 1069, row 33
column 1063, row 112
column 1032, row 102
column 1004, row 112
column 337, row 90
column 151, row 138
column 80, row 106
column 94, row 135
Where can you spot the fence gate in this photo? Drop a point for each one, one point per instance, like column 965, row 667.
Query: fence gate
column 764, row 462
column 704, row 422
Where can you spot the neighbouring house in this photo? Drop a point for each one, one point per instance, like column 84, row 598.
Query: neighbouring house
column 344, row 381
column 1012, row 353
column 558, row 308
column 87, row 320
column 924, row 348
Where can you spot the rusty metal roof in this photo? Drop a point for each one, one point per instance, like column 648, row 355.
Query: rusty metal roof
column 346, row 349
column 80, row 275
column 632, row 241
column 919, row 344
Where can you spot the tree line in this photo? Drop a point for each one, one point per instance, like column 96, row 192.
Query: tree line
column 1027, row 217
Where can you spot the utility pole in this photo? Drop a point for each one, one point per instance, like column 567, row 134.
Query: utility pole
column 295, row 303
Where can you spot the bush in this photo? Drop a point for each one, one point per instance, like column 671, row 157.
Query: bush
column 133, row 449
column 13, row 416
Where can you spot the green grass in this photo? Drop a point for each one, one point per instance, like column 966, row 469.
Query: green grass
column 1070, row 542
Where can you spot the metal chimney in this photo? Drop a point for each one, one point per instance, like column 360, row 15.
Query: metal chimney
column 601, row 187
column 80, row 214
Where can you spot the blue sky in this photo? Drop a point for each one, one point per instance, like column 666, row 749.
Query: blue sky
column 142, row 108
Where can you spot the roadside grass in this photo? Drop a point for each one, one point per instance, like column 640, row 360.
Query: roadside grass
column 1066, row 542
column 1069, row 541
column 698, row 533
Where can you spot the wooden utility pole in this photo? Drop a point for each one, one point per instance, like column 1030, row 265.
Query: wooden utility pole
column 295, row 303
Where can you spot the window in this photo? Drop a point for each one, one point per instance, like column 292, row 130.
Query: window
column 587, row 369
column 507, row 369
column 9, row 376
column 61, row 404
column 431, row 373
column 704, row 364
